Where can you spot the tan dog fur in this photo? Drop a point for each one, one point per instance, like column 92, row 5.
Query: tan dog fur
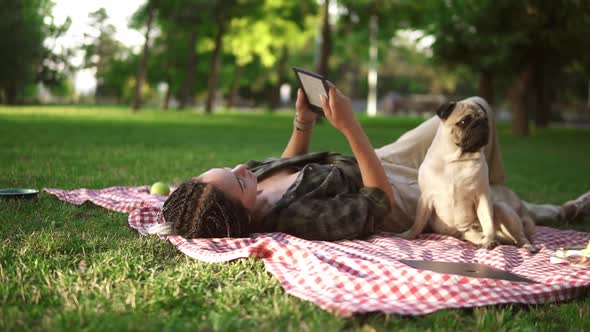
column 456, row 199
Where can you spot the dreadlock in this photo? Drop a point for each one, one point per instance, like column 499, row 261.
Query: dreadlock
column 200, row 210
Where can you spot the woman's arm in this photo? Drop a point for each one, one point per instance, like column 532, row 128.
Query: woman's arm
column 300, row 137
column 338, row 111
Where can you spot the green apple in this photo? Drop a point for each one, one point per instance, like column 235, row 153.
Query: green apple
column 160, row 188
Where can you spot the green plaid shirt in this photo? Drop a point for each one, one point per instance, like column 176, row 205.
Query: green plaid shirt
column 327, row 201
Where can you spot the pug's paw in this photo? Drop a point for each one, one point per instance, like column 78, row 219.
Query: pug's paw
column 407, row 235
column 489, row 244
column 529, row 247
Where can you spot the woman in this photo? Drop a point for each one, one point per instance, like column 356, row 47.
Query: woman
column 325, row 196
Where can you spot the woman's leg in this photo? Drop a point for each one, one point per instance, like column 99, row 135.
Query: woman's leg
column 401, row 160
column 574, row 210
column 410, row 149
column 577, row 209
column 543, row 213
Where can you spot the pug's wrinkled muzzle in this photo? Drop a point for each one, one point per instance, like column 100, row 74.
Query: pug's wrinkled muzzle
column 476, row 135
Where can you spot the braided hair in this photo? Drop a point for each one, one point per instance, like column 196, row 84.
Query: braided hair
column 198, row 209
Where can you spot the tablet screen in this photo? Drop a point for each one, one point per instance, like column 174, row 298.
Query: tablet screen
column 313, row 87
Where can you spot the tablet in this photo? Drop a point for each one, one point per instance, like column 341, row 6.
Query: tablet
column 473, row 270
column 313, row 85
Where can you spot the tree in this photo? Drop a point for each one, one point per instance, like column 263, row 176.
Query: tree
column 21, row 23
column 524, row 41
column 55, row 68
column 267, row 38
column 118, row 79
column 101, row 50
column 241, row 33
column 372, row 16
column 468, row 33
column 543, row 38
column 148, row 10
column 221, row 19
column 284, row 22
column 188, row 18
column 168, row 59
column 31, row 35
column 554, row 32
column 325, row 40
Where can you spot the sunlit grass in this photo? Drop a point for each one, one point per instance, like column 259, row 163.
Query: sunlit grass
column 81, row 267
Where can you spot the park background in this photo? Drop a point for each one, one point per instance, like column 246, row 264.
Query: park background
column 527, row 58
column 146, row 91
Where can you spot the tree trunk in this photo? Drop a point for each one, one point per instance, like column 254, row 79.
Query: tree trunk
column 282, row 77
column 486, row 86
column 141, row 70
column 167, row 96
column 10, row 94
column 214, row 73
column 186, row 97
column 517, row 94
column 235, row 85
column 588, row 96
column 98, row 92
column 372, row 75
column 352, row 70
column 326, row 48
column 542, row 104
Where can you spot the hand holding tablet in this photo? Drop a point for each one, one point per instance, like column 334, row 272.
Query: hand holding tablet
column 313, row 86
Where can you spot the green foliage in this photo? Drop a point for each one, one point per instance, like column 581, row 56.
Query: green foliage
column 167, row 60
column 55, row 69
column 117, row 76
column 504, row 36
column 277, row 25
column 262, row 39
column 22, row 27
column 403, row 67
column 468, row 33
column 256, row 34
column 65, row 91
column 102, row 52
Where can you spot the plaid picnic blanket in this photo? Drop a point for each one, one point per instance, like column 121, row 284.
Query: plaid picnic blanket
column 358, row 276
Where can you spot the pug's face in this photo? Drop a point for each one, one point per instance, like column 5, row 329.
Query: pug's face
column 467, row 123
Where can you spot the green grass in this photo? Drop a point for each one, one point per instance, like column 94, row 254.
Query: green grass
column 66, row 267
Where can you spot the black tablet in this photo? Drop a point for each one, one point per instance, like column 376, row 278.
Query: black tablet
column 473, row 270
column 313, row 85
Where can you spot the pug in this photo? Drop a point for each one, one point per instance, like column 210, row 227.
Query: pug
column 456, row 198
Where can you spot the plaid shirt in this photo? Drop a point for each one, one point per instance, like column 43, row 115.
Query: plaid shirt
column 327, row 201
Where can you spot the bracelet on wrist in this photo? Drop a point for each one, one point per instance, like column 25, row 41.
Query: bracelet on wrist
column 303, row 126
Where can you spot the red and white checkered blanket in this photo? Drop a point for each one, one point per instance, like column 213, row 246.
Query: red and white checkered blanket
column 349, row 277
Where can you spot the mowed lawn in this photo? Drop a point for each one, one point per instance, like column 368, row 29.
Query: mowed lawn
column 69, row 267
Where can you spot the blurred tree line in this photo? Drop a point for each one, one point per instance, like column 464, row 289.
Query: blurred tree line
column 236, row 52
column 28, row 53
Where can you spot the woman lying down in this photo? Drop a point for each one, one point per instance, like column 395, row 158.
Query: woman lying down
column 328, row 196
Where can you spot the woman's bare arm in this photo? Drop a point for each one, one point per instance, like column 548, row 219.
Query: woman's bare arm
column 338, row 111
column 300, row 138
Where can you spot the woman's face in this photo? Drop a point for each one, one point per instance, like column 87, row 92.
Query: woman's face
column 238, row 183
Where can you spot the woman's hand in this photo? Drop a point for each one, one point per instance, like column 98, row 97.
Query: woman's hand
column 300, row 138
column 338, row 110
column 303, row 113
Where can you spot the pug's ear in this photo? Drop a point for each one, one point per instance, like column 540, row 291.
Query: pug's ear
column 445, row 110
